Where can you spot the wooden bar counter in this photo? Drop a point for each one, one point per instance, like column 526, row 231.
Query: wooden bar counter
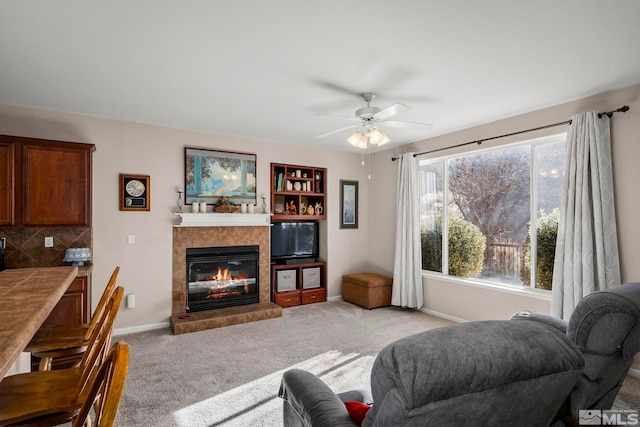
column 27, row 296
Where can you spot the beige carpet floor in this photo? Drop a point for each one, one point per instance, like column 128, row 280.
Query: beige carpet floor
column 230, row 376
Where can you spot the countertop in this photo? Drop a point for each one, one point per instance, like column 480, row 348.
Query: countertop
column 28, row 296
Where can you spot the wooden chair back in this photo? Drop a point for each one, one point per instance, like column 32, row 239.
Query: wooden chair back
column 102, row 303
column 106, row 389
column 100, row 341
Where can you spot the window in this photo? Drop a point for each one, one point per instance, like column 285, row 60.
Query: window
column 492, row 215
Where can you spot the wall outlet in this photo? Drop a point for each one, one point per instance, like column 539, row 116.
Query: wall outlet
column 48, row 242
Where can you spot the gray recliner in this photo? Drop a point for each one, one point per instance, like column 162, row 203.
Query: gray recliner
column 478, row 373
column 605, row 326
column 533, row 370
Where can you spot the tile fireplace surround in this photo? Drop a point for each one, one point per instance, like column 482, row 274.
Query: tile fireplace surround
column 214, row 230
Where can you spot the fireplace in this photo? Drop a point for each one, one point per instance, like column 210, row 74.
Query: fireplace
column 218, row 277
column 220, row 230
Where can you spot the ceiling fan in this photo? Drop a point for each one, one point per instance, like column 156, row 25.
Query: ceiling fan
column 369, row 118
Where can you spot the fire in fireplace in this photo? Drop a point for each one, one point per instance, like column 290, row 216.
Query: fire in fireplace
column 222, row 277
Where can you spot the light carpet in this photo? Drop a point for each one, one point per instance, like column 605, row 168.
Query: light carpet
column 230, row 376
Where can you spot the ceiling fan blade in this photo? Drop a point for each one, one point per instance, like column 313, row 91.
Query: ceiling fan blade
column 407, row 125
column 337, row 88
column 337, row 130
column 390, row 111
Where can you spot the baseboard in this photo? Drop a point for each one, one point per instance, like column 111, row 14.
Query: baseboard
column 142, row 328
column 442, row 315
column 338, row 298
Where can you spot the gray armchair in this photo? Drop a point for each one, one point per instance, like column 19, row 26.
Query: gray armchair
column 476, row 373
column 605, row 326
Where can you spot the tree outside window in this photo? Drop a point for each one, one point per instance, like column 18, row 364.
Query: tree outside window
column 478, row 221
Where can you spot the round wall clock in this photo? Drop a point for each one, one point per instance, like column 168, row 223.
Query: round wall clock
column 135, row 188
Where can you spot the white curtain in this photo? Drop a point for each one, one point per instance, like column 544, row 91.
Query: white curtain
column 407, row 278
column 586, row 257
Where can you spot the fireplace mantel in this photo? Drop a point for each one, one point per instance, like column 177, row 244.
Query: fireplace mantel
column 223, row 220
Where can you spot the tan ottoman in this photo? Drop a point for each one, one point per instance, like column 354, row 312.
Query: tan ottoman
column 368, row 290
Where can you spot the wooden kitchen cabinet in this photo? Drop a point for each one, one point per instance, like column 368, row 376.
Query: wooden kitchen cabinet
column 45, row 182
column 7, row 183
column 74, row 308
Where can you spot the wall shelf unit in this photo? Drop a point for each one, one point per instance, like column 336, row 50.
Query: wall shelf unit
column 294, row 189
column 298, row 193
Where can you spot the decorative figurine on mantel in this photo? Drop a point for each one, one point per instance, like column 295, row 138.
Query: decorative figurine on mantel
column 225, row 205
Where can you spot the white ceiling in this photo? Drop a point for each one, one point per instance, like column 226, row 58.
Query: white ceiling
column 266, row 69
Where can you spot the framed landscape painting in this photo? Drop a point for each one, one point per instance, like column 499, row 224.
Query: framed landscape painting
column 348, row 204
column 212, row 174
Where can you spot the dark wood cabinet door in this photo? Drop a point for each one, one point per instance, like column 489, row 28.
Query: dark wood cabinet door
column 73, row 307
column 56, row 184
column 7, row 183
column 67, row 311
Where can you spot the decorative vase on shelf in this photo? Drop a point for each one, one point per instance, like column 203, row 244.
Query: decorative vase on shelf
column 297, row 186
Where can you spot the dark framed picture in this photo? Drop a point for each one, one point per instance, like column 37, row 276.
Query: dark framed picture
column 212, row 174
column 135, row 192
column 348, row 204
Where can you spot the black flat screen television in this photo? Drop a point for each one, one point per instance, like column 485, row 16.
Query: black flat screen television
column 295, row 240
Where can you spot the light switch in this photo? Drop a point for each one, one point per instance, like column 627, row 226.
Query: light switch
column 48, row 242
column 131, row 239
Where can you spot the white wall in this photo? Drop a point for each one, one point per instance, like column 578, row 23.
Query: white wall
column 461, row 301
column 124, row 147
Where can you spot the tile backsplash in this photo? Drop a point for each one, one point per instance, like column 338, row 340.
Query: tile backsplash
column 25, row 245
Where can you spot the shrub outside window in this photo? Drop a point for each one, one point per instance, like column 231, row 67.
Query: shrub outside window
column 493, row 216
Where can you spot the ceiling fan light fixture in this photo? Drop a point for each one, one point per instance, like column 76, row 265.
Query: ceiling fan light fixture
column 377, row 137
column 358, row 140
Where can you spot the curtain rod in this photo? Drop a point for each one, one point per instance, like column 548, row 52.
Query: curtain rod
column 480, row 141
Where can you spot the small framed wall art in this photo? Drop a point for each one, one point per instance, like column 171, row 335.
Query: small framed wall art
column 348, row 204
column 134, row 192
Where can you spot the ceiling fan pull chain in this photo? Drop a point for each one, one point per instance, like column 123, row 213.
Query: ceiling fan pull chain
column 369, row 152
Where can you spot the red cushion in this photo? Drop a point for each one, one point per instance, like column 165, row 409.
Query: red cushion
column 357, row 411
